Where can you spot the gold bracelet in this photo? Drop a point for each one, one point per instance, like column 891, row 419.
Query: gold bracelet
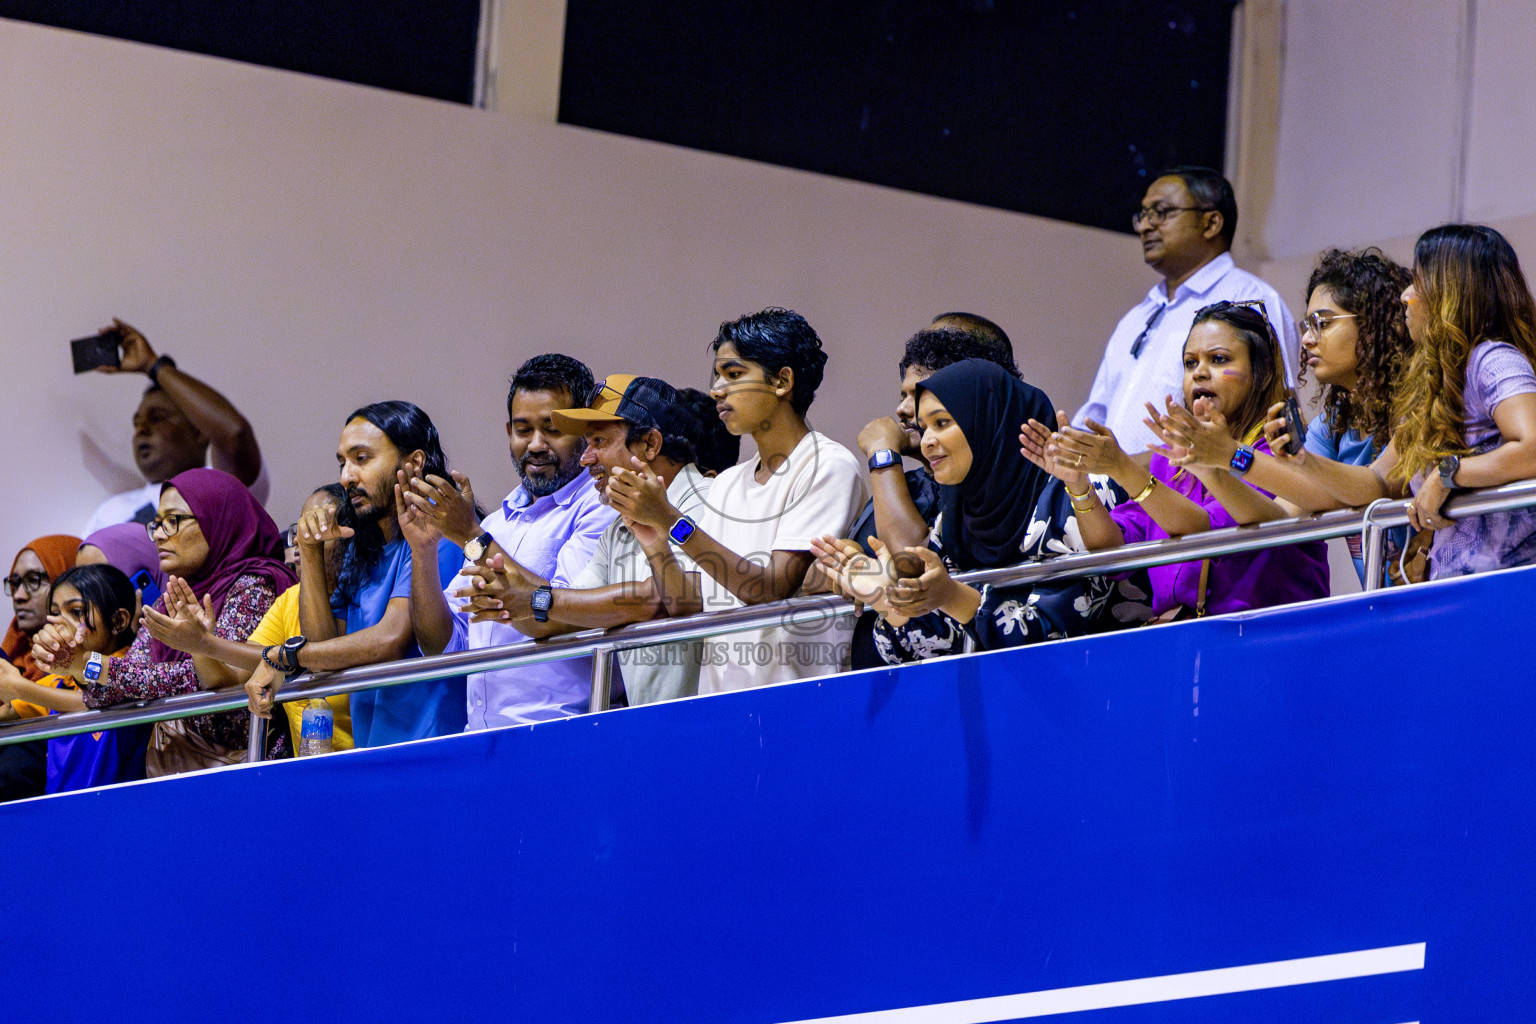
column 1075, row 498
column 1151, row 486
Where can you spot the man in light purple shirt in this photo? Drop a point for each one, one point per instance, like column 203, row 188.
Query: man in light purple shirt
column 547, row 528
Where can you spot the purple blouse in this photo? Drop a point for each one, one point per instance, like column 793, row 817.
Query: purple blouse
column 1254, row 579
column 1496, row 371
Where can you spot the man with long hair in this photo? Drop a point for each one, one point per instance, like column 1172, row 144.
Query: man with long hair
column 373, row 589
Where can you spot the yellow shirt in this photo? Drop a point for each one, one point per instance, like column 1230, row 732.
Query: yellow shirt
column 280, row 623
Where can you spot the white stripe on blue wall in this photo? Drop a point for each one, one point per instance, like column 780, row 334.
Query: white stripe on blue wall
column 1161, row 989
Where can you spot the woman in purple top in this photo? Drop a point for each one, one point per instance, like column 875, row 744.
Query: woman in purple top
column 1466, row 408
column 213, row 534
column 1232, row 374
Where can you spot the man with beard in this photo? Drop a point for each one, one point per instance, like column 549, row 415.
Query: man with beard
column 546, row 529
column 369, row 611
column 179, row 422
column 632, row 425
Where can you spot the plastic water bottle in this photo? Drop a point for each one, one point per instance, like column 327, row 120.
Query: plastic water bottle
column 315, row 728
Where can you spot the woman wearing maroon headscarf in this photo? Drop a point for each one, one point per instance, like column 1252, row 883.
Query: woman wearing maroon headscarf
column 212, row 533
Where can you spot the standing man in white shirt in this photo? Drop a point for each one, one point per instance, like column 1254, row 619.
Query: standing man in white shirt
column 753, row 536
column 179, row 423
column 1186, row 224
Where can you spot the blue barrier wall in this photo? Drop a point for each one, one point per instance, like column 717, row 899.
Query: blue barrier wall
column 1346, row 777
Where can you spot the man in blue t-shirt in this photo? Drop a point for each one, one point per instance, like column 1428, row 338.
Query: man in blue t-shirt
column 370, row 606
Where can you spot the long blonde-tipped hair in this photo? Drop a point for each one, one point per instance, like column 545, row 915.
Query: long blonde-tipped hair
column 1470, row 281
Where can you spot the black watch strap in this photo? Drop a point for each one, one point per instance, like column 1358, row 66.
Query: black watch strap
column 153, row 373
column 290, row 654
column 541, row 601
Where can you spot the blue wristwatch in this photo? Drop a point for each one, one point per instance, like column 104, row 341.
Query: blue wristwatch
column 1242, row 460
column 682, row 530
column 884, row 459
column 93, row 666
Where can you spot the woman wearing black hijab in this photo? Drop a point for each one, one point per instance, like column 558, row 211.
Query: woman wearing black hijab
column 995, row 509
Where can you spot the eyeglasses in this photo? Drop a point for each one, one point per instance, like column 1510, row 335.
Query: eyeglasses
column 1154, row 216
column 1254, row 304
column 32, row 582
column 1317, row 323
column 1257, row 305
column 170, row 524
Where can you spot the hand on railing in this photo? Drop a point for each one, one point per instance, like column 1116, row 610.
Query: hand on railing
column 495, row 592
column 1425, row 510
column 856, row 576
column 261, row 690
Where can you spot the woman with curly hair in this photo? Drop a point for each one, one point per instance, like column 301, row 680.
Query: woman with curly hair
column 1355, row 341
column 1465, row 411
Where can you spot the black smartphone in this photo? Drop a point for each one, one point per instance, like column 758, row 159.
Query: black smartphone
column 1295, row 429
column 145, row 584
column 97, row 350
column 291, row 546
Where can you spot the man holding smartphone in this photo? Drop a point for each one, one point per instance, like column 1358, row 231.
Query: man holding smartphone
column 180, row 424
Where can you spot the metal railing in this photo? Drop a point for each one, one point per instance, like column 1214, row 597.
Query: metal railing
column 603, row 645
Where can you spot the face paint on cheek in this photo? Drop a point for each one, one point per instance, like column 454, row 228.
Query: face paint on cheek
column 1238, row 375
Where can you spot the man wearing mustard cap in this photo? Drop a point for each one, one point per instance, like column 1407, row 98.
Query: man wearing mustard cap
column 632, row 425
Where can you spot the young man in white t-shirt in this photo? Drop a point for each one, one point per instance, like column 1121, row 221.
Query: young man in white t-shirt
column 753, row 537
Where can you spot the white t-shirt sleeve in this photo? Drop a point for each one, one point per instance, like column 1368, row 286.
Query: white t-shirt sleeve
column 827, row 497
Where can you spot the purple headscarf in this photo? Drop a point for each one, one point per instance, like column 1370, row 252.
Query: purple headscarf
column 242, row 541
column 128, row 548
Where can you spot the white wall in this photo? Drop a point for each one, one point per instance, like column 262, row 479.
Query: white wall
column 1396, row 117
column 308, row 246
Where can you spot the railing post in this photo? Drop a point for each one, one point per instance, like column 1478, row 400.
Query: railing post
column 256, row 740
column 602, row 679
column 1373, row 541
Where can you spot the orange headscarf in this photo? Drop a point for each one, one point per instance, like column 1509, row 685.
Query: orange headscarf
column 57, row 553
